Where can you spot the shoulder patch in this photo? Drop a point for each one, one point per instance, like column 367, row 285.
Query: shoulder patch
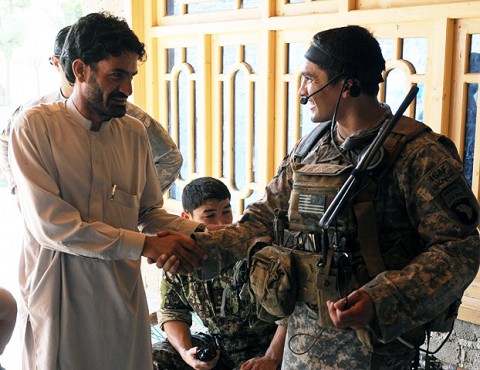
column 446, row 185
column 456, row 198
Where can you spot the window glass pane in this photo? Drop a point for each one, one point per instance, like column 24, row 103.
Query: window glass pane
column 229, row 56
column 474, row 60
column 251, row 57
column 192, row 57
column 173, row 57
column 387, row 48
column 173, row 7
column 420, row 102
column 295, row 53
column 470, row 128
column 296, row 1
column 169, row 107
column 210, row 6
column 199, row 126
column 225, row 132
column 257, row 139
column 175, row 192
column 240, row 130
column 253, row 198
column 291, row 119
column 396, row 88
column 183, row 144
column 415, row 51
column 250, row 4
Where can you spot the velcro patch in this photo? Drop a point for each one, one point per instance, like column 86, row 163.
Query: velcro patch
column 440, row 177
column 314, row 204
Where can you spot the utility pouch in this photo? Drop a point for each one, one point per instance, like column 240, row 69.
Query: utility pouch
column 327, row 287
column 272, row 282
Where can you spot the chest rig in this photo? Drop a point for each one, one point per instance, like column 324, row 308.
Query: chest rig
column 330, row 263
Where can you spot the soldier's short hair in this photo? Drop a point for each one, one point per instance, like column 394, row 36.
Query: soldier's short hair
column 351, row 50
column 60, row 41
column 200, row 190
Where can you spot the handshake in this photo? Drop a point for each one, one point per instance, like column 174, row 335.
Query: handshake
column 174, row 252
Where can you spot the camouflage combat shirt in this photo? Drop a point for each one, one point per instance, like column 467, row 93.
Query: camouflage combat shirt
column 427, row 221
column 223, row 307
column 181, row 295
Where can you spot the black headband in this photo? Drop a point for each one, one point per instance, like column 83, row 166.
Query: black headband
column 320, row 56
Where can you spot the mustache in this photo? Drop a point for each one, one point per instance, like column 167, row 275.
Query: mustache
column 116, row 95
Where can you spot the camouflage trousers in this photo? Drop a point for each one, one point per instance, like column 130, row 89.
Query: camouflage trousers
column 309, row 346
column 233, row 351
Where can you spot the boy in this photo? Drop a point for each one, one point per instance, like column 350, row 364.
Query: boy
column 220, row 303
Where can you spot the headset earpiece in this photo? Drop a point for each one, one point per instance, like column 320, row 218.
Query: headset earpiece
column 355, row 89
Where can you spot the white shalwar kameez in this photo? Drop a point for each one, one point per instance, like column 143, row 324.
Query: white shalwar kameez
column 84, row 195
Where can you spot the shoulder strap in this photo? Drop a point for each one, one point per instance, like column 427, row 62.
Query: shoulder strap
column 405, row 130
column 309, row 141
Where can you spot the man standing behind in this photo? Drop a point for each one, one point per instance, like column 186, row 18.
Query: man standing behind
column 220, row 303
column 86, row 183
column 166, row 156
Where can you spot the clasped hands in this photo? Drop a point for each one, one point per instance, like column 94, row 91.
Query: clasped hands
column 174, row 252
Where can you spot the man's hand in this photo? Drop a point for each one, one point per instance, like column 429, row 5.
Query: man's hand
column 359, row 313
column 260, row 363
column 189, row 357
column 173, row 252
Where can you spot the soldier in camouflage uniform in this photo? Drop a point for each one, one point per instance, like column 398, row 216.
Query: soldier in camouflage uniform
column 222, row 304
column 424, row 210
column 166, row 156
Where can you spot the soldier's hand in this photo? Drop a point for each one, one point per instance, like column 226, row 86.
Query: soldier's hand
column 260, row 363
column 190, row 359
column 358, row 314
column 188, row 256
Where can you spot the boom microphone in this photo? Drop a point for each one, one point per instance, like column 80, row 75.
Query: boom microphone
column 304, row 99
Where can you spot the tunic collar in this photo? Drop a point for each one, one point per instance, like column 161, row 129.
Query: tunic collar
column 87, row 124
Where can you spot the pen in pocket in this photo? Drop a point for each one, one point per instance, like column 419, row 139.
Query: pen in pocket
column 114, row 188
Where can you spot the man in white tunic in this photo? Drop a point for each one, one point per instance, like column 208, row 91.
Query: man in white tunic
column 86, row 184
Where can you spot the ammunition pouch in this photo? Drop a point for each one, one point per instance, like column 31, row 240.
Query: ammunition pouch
column 272, row 282
column 281, row 276
column 317, row 283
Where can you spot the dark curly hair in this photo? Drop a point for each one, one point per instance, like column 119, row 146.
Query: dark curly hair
column 352, row 50
column 96, row 36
